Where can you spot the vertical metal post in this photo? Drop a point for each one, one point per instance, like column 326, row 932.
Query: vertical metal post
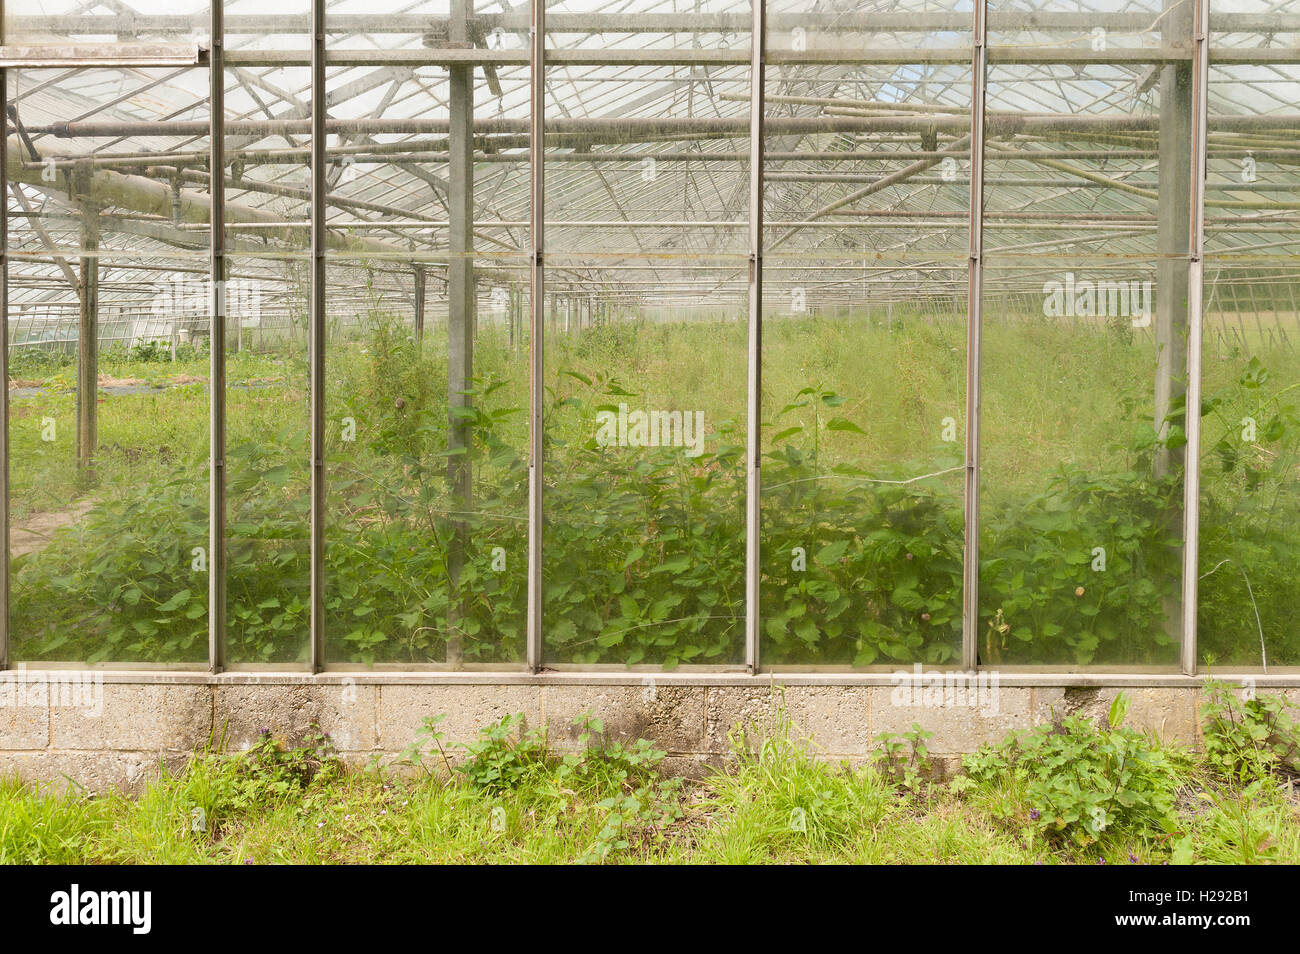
column 754, row 387
column 316, row 335
column 974, row 338
column 217, row 344
column 88, row 338
column 512, row 317
column 536, row 325
column 421, row 286
column 460, row 302
column 4, row 357
column 1195, row 314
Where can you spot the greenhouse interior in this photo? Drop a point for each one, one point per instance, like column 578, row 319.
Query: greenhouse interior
column 819, row 335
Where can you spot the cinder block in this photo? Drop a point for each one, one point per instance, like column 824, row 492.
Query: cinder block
column 836, row 720
column 24, row 727
column 346, row 712
column 960, row 723
column 468, row 708
column 95, row 772
column 141, row 718
column 1168, row 711
column 670, row 716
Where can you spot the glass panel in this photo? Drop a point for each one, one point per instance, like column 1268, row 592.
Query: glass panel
column 268, row 189
column 427, row 391
column 646, row 216
column 1084, row 337
column 867, row 201
column 108, row 335
column 1250, row 500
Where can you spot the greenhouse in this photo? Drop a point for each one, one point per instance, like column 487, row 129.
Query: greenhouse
column 673, row 336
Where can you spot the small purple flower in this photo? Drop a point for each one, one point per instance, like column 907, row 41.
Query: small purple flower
column 1133, row 859
column 249, row 861
column 1101, row 861
column 1033, row 814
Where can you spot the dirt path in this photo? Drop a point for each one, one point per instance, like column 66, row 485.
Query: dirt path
column 34, row 531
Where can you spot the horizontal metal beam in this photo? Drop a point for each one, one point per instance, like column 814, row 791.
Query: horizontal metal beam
column 839, row 56
column 643, row 129
column 103, row 54
column 588, row 24
column 636, row 676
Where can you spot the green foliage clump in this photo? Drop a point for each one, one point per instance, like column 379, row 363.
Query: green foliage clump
column 904, row 757
column 1249, row 739
column 1084, row 782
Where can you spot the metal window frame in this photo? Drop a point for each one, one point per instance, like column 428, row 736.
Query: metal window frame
column 4, row 356
column 217, row 345
column 214, row 58
column 537, row 328
column 316, row 347
column 1195, row 316
column 754, row 387
column 974, row 339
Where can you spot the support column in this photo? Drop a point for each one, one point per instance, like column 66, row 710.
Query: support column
column 316, row 339
column 512, row 316
column 4, row 366
column 421, row 286
column 220, row 304
column 460, row 302
column 754, row 351
column 88, row 346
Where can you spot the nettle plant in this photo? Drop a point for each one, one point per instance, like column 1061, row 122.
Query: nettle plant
column 856, row 567
column 644, row 546
column 1250, row 507
column 644, row 550
column 1249, row 738
column 1084, row 782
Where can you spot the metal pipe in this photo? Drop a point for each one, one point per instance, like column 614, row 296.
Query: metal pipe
column 974, row 337
column 217, row 347
column 1196, row 305
column 754, row 389
column 593, row 24
column 316, row 336
column 4, row 357
column 642, row 128
column 88, row 346
column 535, row 648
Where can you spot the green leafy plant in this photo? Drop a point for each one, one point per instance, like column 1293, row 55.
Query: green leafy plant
column 904, row 757
column 505, row 756
column 1249, row 739
column 1084, row 782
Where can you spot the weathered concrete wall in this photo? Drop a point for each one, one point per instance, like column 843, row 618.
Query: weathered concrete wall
column 139, row 727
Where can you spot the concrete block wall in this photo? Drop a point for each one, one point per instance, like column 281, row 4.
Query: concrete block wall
column 142, row 726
